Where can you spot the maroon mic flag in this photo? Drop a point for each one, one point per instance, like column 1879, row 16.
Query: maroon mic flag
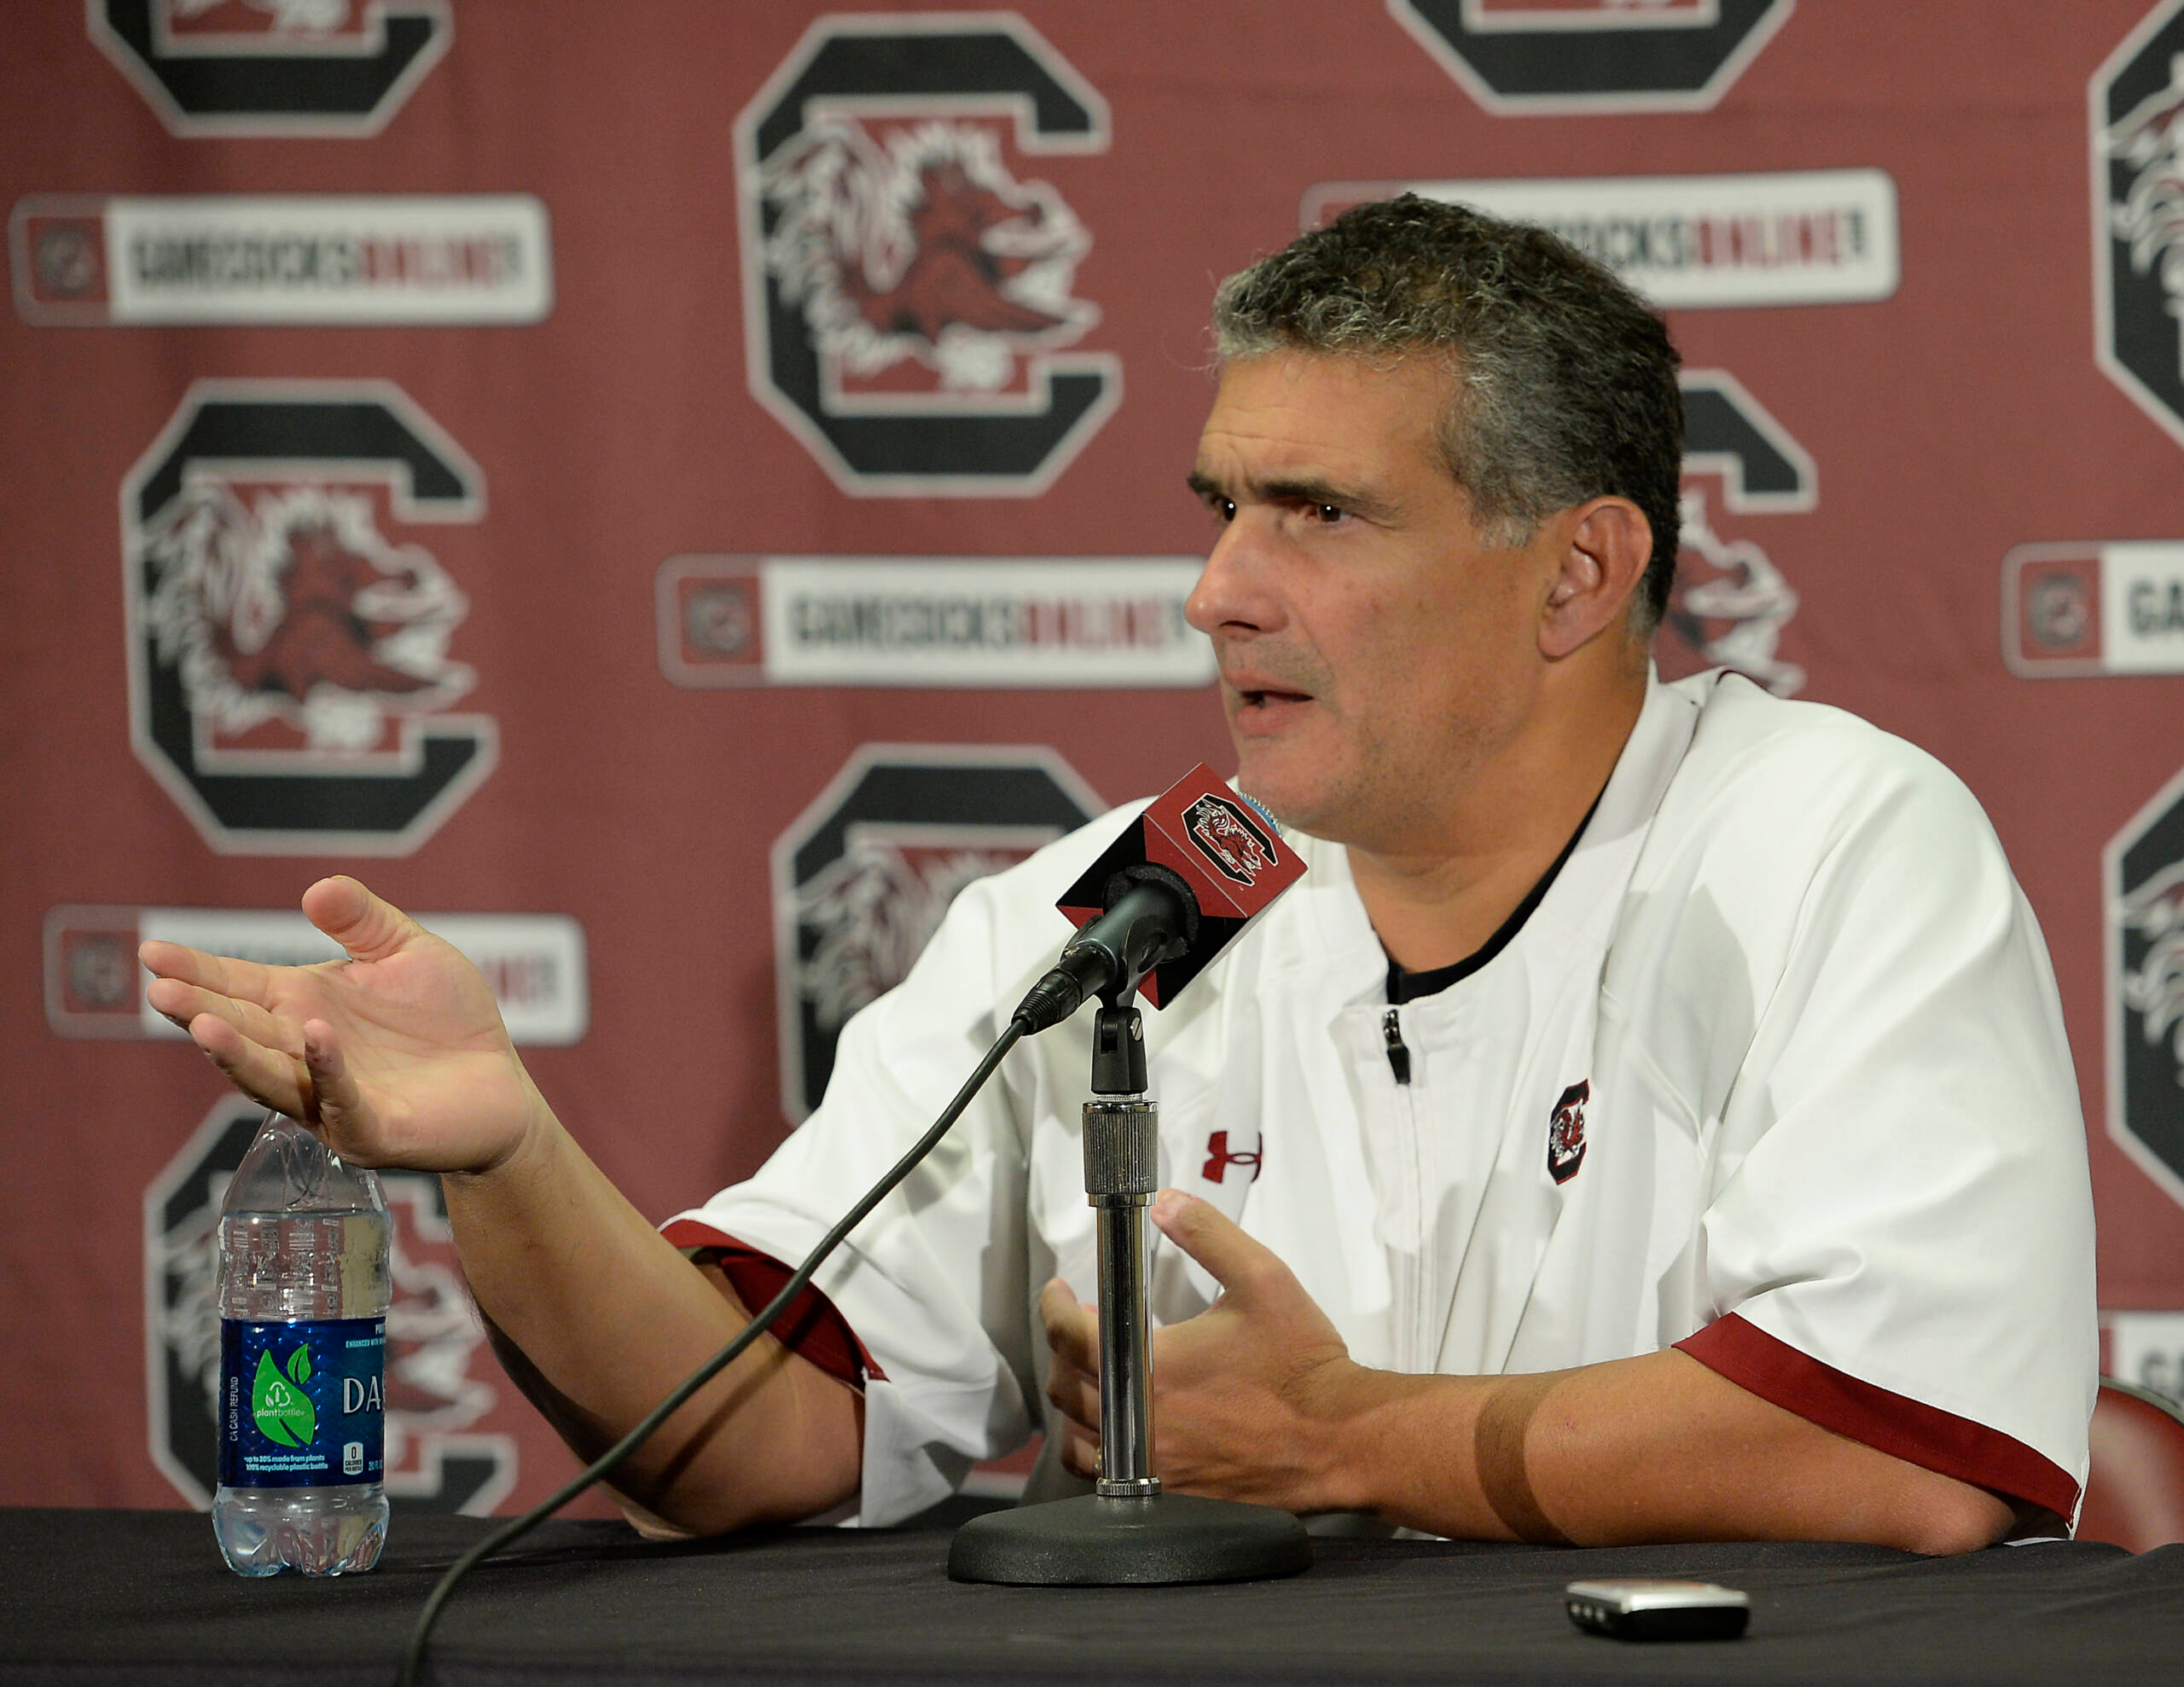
column 1224, row 848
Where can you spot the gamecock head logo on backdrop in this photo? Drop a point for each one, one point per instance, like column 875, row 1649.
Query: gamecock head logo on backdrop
column 909, row 289
column 2137, row 101
column 863, row 877
column 2144, row 885
column 1549, row 56
column 295, row 608
column 289, row 662
column 928, row 251
column 316, row 67
column 2152, row 918
column 441, row 1383
column 1731, row 603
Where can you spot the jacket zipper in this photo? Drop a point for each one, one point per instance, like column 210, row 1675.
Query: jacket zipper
column 1399, row 1054
column 1410, row 1281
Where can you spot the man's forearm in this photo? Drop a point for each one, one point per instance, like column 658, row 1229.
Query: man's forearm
column 605, row 1316
column 1648, row 1449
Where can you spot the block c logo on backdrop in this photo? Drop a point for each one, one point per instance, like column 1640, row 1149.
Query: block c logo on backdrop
column 2143, row 895
column 2092, row 607
column 288, row 663
column 863, row 876
column 258, row 67
column 442, row 1385
column 2137, row 108
column 1730, row 602
column 1549, row 57
column 906, row 292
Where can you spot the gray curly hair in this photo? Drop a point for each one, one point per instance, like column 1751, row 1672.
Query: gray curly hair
column 1567, row 381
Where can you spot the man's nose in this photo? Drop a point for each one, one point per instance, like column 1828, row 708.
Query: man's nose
column 1235, row 590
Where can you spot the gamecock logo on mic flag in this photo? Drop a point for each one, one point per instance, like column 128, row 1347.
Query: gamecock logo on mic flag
column 1229, row 839
column 909, row 288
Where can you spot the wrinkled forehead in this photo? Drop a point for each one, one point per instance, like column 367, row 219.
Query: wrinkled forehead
column 1287, row 410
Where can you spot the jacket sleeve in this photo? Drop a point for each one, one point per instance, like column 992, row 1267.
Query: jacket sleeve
column 1899, row 1244
column 934, row 1284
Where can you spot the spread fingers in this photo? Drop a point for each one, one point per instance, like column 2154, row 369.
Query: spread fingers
column 181, row 1003
column 223, row 974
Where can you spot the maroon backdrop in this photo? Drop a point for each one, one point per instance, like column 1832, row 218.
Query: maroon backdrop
column 532, row 465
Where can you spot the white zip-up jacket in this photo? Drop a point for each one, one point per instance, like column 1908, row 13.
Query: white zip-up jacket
column 1776, row 1070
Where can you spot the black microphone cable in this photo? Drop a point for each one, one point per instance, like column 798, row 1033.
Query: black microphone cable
column 1019, row 1026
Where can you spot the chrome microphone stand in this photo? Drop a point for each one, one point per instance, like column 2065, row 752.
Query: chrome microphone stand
column 1126, row 1531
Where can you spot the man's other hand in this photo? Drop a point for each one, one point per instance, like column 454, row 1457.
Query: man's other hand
column 1244, row 1395
column 1258, row 1399
column 396, row 1054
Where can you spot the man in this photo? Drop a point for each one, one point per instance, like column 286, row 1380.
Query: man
column 1649, row 1120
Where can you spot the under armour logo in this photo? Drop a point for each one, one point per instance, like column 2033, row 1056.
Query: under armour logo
column 1218, row 1159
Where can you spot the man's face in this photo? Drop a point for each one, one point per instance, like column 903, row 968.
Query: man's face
column 1374, row 652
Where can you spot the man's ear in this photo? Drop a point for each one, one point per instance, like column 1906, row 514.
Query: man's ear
column 1601, row 548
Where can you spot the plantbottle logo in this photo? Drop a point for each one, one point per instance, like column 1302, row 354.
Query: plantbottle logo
column 284, row 1414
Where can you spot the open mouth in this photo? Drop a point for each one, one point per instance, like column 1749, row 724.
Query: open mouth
column 1266, row 701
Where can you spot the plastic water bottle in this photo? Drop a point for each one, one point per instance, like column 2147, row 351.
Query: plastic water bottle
column 303, row 1291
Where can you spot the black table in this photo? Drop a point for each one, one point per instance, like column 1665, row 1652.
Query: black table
column 95, row 1597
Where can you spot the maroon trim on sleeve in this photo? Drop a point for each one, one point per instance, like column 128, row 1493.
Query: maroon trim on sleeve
column 1912, row 1430
column 810, row 1326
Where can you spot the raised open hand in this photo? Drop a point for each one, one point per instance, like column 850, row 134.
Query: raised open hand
column 396, row 1054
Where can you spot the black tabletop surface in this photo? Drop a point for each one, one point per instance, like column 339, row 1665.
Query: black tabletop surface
column 114, row 1597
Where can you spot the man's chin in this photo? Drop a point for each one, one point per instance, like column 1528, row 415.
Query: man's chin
column 1297, row 803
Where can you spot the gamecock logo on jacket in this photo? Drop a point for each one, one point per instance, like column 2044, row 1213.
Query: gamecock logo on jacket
column 289, row 662
column 908, row 292
column 1566, row 1131
column 2138, row 153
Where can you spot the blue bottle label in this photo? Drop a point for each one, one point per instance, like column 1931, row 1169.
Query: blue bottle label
column 303, row 1405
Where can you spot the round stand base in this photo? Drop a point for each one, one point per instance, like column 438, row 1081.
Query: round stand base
column 1092, row 1542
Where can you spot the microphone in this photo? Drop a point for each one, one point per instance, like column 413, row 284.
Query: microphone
column 1182, row 882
